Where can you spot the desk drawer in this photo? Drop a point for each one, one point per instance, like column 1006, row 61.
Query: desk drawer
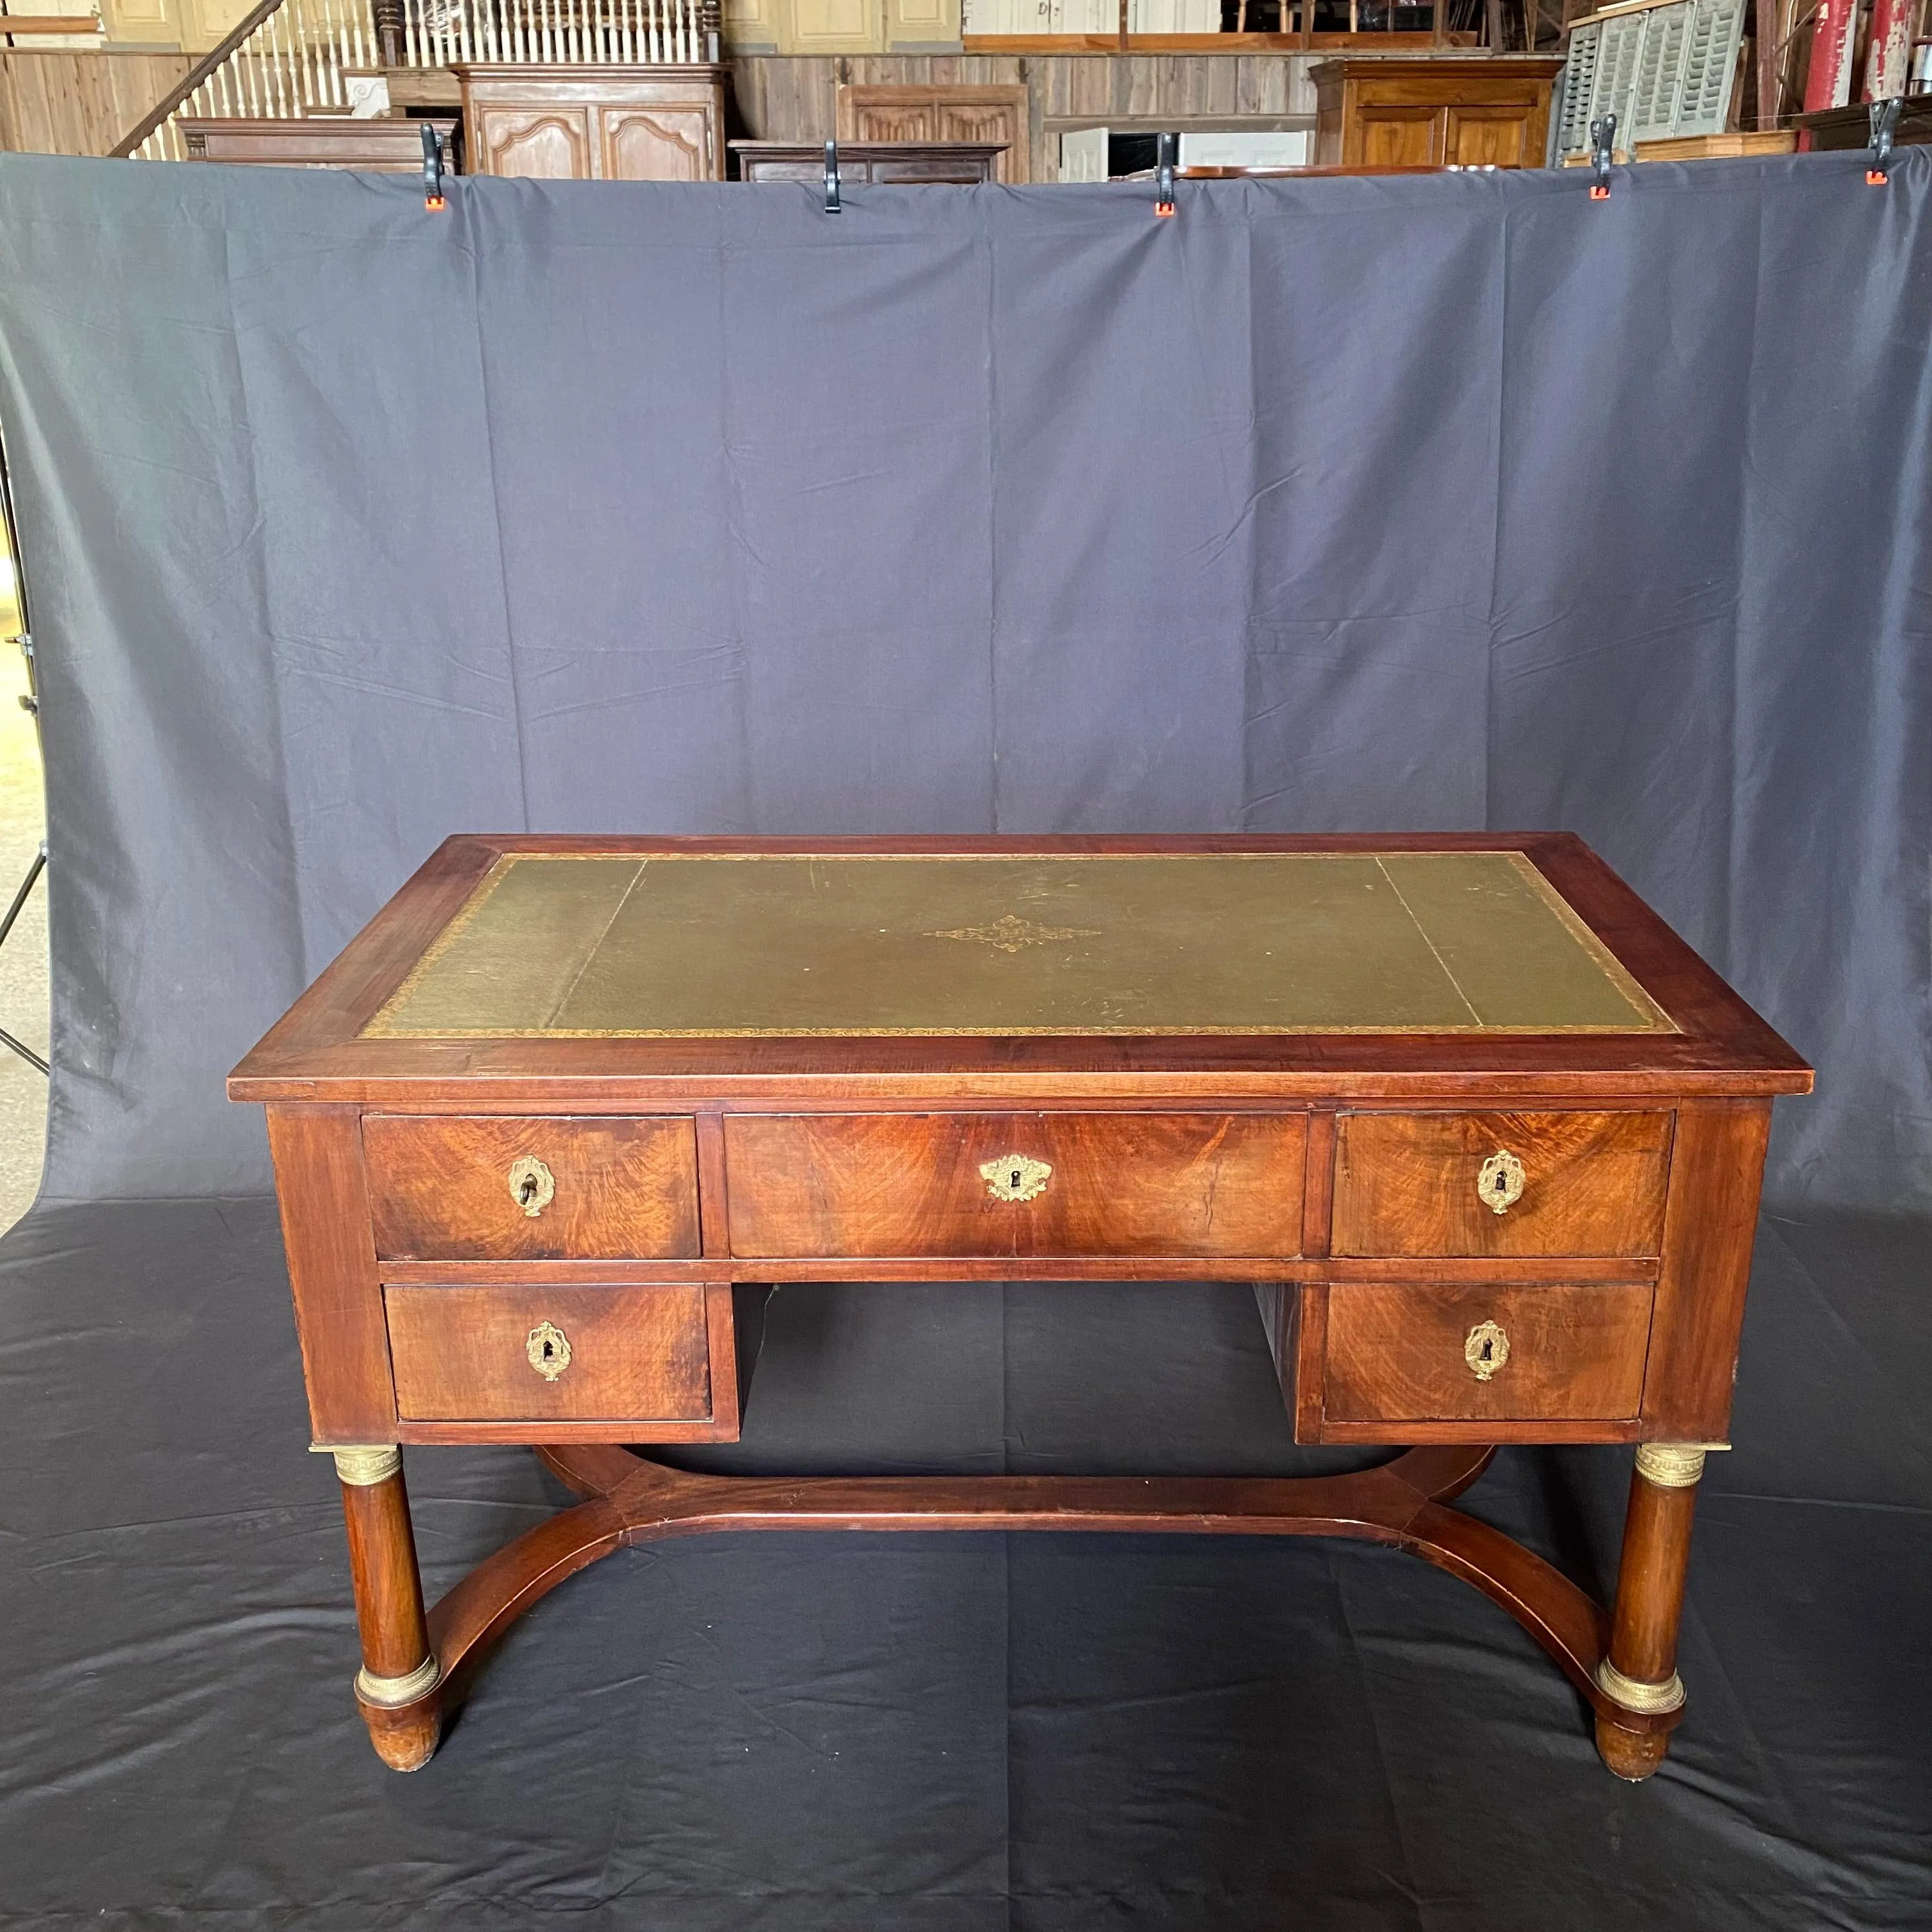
column 496, row 1354
column 1019, row 1184
column 542, row 1188
column 1569, row 1184
column 1522, row 1351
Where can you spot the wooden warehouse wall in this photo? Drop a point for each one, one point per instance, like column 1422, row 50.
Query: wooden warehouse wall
column 78, row 101
column 81, row 102
column 790, row 98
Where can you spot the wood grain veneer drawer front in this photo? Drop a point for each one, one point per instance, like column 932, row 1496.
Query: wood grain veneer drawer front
column 1020, row 1184
column 493, row 1354
column 1568, row 1184
column 537, row 1188
column 1400, row 1353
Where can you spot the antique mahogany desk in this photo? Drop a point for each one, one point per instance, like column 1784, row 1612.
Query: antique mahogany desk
column 1485, row 1135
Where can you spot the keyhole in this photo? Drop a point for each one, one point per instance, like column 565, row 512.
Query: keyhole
column 1015, row 1183
column 527, row 1191
column 1502, row 1183
column 550, row 1350
column 1489, row 1351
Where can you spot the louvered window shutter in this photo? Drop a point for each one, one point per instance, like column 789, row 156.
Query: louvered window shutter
column 1660, row 73
column 1710, row 67
column 1573, row 134
column 1618, row 52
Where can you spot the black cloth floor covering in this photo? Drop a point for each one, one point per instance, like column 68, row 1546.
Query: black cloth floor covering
column 1379, row 504
column 940, row 1732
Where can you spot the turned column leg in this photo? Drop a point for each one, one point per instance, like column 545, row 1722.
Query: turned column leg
column 396, row 1688
column 1640, row 1673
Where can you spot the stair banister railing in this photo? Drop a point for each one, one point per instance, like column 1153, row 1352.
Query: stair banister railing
column 190, row 82
column 289, row 59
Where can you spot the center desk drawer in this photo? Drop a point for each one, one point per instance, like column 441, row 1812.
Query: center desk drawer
column 1019, row 1184
column 1541, row 1183
column 531, row 1188
column 486, row 1353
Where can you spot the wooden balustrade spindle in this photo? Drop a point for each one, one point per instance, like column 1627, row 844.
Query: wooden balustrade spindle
column 330, row 92
column 271, row 48
column 270, row 73
column 345, row 56
column 308, row 81
column 294, row 28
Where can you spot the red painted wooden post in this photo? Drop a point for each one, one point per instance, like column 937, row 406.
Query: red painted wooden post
column 1889, row 59
column 1829, row 83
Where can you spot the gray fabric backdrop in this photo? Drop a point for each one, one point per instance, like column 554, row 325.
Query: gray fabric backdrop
column 1384, row 503
column 1399, row 502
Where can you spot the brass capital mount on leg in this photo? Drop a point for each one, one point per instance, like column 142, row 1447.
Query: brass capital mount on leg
column 1674, row 1466
column 363, row 1466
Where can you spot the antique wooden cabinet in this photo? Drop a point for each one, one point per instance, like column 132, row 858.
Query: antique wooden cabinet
column 1491, row 111
column 1484, row 1134
column 991, row 113
column 381, row 145
column 943, row 163
column 583, row 123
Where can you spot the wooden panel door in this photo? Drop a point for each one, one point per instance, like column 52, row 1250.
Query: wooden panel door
column 751, row 26
column 1399, row 137
column 205, row 24
column 1476, row 137
column 943, row 113
column 664, row 144
column 837, row 26
column 150, row 21
column 922, row 23
column 552, row 144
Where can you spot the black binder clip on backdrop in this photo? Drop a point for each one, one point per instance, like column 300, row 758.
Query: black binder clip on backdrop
column 1602, row 140
column 1884, row 125
column 1166, row 147
column 432, row 170
column 833, row 203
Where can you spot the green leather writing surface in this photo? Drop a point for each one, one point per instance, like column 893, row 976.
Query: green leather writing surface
column 730, row 945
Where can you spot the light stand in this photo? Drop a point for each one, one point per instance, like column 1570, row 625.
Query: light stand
column 30, row 703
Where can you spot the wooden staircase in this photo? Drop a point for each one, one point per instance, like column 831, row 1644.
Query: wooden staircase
column 292, row 60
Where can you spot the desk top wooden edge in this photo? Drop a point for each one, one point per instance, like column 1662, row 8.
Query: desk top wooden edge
column 317, row 1051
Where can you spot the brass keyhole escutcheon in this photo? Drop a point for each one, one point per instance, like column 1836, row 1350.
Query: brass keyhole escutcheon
column 548, row 1349
column 1487, row 1350
column 1499, row 1180
column 532, row 1186
column 1015, row 1176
